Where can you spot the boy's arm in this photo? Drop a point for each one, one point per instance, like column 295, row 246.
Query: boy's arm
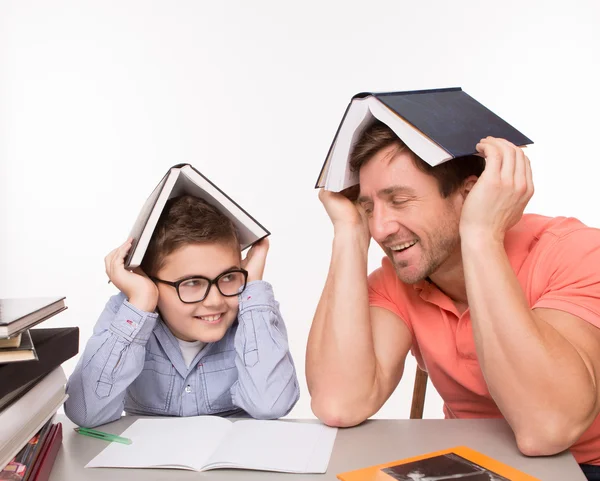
column 267, row 386
column 113, row 358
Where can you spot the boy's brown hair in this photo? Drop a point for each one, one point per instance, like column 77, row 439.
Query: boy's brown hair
column 450, row 175
column 187, row 220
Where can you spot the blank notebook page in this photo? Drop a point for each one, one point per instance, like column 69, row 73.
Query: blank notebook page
column 182, row 443
column 276, row 446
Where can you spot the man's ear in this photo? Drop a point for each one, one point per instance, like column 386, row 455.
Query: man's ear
column 468, row 185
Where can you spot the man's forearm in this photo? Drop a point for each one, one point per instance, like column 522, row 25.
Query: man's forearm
column 538, row 379
column 340, row 360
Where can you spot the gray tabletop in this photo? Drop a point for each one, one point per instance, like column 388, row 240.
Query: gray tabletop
column 373, row 442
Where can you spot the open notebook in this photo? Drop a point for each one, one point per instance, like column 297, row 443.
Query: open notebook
column 209, row 442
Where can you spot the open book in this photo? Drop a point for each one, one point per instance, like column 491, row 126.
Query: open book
column 437, row 125
column 210, row 442
column 459, row 462
column 184, row 179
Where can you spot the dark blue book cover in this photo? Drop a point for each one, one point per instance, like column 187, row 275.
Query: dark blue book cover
column 451, row 118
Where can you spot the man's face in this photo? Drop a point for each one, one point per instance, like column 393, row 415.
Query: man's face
column 417, row 228
column 205, row 321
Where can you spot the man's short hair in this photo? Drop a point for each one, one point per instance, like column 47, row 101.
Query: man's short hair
column 187, row 220
column 450, row 175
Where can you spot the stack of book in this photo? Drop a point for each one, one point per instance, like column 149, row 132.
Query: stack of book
column 32, row 386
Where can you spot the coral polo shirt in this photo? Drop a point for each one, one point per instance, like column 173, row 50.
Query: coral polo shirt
column 557, row 263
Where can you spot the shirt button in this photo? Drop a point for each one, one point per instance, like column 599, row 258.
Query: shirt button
column 188, row 389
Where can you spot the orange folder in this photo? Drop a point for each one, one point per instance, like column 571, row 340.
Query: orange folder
column 439, row 466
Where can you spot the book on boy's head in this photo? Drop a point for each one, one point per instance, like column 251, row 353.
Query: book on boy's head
column 24, row 352
column 19, row 314
column 437, row 125
column 184, row 179
column 455, row 463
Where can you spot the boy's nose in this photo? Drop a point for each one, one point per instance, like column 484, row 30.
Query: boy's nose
column 214, row 297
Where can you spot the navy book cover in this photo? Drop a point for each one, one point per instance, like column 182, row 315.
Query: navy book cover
column 451, row 118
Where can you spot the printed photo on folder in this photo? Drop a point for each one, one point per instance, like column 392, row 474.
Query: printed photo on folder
column 185, row 179
column 455, row 463
column 437, row 125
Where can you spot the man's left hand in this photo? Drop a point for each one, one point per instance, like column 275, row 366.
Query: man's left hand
column 497, row 200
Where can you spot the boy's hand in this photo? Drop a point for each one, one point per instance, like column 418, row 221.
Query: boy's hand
column 139, row 289
column 497, row 200
column 255, row 260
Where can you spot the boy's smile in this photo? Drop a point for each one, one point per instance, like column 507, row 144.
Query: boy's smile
column 208, row 320
column 213, row 319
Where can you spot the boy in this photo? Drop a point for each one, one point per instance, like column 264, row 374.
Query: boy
column 194, row 331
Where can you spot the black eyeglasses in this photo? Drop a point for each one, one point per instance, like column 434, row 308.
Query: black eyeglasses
column 194, row 289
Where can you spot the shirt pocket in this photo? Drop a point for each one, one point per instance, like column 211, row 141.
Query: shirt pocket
column 218, row 373
column 153, row 388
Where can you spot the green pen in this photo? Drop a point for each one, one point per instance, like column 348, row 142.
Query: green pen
column 92, row 433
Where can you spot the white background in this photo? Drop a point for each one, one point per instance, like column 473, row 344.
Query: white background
column 99, row 99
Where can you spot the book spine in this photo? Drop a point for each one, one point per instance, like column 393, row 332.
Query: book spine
column 47, row 461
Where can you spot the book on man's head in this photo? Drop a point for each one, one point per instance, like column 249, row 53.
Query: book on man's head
column 437, row 125
column 454, row 463
column 184, row 179
column 18, row 314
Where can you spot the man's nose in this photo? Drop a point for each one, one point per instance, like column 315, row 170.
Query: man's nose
column 382, row 223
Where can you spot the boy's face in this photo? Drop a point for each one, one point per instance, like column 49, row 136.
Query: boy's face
column 205, row 321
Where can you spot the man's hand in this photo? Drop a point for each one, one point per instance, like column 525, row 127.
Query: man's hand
column 139, row 289
column 497, row 200
column 344, row 213
column 255, row 260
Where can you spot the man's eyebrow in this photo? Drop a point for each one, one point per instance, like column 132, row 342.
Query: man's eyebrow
column 396, row 189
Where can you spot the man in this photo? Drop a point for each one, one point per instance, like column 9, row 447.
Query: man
column 502, row 309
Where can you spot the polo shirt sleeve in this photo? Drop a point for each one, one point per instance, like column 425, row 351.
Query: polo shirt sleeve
column 385, row 292
column 569, row 273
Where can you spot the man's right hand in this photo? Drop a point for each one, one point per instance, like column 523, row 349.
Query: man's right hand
column 136, row 285
column 345, row 390
column 343, row 212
